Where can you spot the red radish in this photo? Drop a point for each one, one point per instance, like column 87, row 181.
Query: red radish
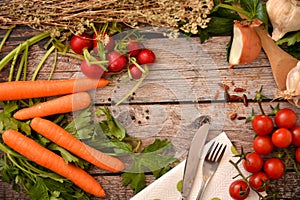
column 116, row 61
column 246, row 44
column 146, row 56
column 93, row 71
column 135, row 72
column 80, row 42
column 134, row 47
column 107, row 41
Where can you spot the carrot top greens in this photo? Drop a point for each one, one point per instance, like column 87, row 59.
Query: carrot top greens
column 107, row 135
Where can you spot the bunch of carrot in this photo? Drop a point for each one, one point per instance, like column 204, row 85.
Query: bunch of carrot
column 74, row 98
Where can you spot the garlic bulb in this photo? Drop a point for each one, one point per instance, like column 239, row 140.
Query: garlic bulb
column 292, row 92
column 284, row 16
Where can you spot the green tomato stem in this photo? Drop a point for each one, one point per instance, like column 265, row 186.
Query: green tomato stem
column 25, row 54
column 29, row 42
column 20, row 69
column 12, row 68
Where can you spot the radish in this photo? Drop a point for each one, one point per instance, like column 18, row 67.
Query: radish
column 146, row 56
column 135, row 72
column 80, row 42
column 93, row 71
column 116, row 61
column 107, row 41
column 134, row 47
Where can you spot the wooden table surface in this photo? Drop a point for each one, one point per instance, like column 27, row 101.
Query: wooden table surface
column 183, row 84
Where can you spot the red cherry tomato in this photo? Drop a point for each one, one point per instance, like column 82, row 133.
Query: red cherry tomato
column 259, row 181
column 116, row 61
column 146, row 56
column 80, row 42
column 92, row 71
column 263, row 145
column 135, row 72
column 285, row 118
column 253, row 162
column 239, row 190
column 262, row 124
column 282, row 138
column 296, row 135
column 274, row 168
column 107, row 41
column 297, row 154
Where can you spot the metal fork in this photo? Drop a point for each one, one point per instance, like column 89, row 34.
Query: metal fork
column 210, row 165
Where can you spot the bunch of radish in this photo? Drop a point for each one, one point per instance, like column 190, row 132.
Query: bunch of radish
column 103, row 55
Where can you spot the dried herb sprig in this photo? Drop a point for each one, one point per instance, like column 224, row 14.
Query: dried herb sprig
column 187, row 15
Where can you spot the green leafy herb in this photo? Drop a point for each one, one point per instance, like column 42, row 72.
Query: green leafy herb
column 155, row 158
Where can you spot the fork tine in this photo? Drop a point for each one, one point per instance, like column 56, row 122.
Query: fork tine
column 216, row 152
column 222, row 153
column 209, row 151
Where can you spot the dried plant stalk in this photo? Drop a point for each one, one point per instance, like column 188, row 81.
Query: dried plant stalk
column 77, row 15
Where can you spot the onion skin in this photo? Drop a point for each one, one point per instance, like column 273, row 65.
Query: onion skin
column 246, row 44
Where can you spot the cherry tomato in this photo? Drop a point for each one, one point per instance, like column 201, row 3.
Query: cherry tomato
column 282, row 138
column 259, row 181
column 239, row 190
column 297, row 154
column 92, row 71
column 285, row 118
column 135, row 72
column 253, row 162
column 262, row 124
column 263, row 145
column 116, row 61
column 134, row 48
column 146, row 56
column 107, row 41
column 274, row 168
column 296, row 135
column 80, row 42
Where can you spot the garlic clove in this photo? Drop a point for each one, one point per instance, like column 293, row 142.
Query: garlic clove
column 292, row 92
column 284, row 16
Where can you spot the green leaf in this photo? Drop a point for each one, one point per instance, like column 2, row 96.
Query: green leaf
column 39, row 190
column 256, row 8
column 290, row 39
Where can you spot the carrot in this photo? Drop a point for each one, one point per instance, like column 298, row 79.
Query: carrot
column 17, row 90
column 64, row 104
column 48, row 159
column 58, row 135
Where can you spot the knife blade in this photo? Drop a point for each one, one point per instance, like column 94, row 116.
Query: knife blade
column 193, row 159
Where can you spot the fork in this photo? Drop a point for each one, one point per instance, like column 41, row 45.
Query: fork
column 210, row 165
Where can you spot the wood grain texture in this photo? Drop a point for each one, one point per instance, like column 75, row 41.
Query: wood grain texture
column 182, row 85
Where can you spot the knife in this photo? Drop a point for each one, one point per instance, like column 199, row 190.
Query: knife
column 193, row 158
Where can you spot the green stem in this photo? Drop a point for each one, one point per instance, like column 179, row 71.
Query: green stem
column 42, row 62
column 54, row 64
column 233, row 8
column 20, row 69
column 29, row 42
column 133, row 61
column 291, row 159
column 135, row 87
column 25, row 54
column 12, row 68
column 5, row 38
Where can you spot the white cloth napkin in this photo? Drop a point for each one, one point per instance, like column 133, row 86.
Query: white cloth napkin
column 165, row 188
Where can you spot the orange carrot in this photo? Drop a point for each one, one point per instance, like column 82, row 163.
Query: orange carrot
column 64, row 139
column 64, row 104
column 17, row 90
column 46, row 158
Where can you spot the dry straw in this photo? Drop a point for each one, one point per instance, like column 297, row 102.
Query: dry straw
column 76, row 15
